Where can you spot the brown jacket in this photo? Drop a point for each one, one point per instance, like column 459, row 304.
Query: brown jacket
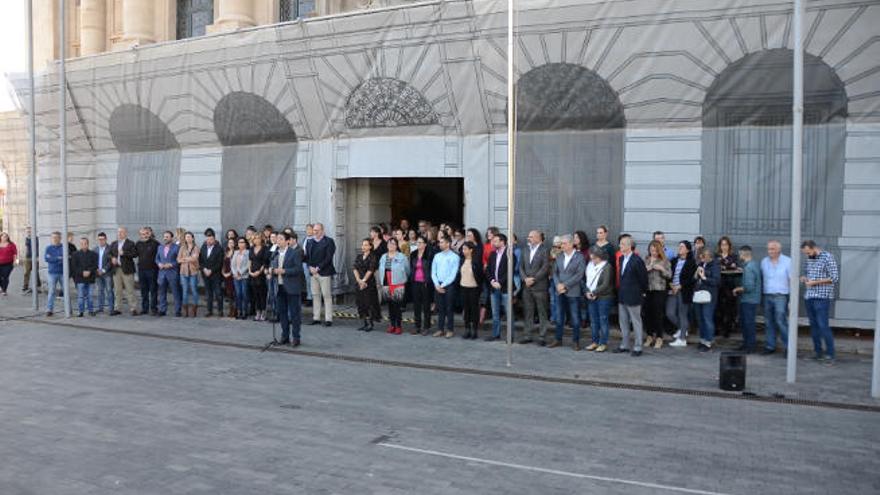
column 189, row 260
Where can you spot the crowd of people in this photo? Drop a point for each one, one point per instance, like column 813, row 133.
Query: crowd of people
column 444, row 270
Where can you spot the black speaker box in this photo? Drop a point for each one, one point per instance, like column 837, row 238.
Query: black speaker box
column 732, row 372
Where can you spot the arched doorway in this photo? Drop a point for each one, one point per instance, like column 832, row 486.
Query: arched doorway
column 746, row 183
column 570, row 144
column 149, row 169
column 259, row 162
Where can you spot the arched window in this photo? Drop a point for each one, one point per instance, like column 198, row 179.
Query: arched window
column 193, row 17
column 259, row 162
column 569, row 150
column 149, row 169
column 387, row 102
column 296, row 9
column 747, row 119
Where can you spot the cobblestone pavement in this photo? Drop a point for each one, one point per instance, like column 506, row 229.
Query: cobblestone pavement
column 848, row 381
column 87, row 411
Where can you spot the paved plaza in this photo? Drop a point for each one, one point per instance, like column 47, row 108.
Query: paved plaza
column 172, row 406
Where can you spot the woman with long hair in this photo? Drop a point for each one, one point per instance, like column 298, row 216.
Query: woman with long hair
column 364, row 270
column 377, row 240
column 659, row 274
column 240, row 264
column 471, row 278
column 188, row 260
column 681, row 292
column 393, row 274
column 422, row 286
column 228, row 284
column 259, row 256
column 582, row 244
column 731, row 275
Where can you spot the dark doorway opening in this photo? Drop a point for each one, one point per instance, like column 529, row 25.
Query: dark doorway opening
column 437, row 200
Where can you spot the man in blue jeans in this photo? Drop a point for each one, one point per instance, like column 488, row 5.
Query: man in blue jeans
column 104, row 277
column 169, row 271
column 749, row 298
column 775, row 270
column 820, row 278
column 444, row 273
column 148, row 272
column 496, row 274
column 54, row 258
column 568, row 273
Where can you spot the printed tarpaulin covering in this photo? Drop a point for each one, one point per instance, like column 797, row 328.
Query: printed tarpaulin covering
column 639, row 115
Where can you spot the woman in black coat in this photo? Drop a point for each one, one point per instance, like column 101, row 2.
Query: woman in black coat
column 471, row 278
column 681, row 293
column 421, row 285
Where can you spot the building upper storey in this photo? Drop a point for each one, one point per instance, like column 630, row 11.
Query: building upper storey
column 97, row 26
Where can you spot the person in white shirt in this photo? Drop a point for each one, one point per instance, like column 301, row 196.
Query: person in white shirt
column 534, row 268
column 105, row 274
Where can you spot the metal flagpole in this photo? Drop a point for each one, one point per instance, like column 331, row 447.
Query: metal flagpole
column 797, row 155
column 62, row 151
column 511, row 176
column 32, row 158
column 875, row 376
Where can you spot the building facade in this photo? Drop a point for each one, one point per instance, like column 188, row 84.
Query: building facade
column 642, row 119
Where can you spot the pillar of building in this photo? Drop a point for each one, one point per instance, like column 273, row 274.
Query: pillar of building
column 93, row 27
column 138, row 22
column 232, row 15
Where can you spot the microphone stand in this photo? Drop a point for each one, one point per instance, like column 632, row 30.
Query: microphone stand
column 274, row 341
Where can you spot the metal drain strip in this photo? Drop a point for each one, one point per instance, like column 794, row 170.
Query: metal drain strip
column 477, row 371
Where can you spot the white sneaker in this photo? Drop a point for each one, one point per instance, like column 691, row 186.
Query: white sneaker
column 678, row 343
column 677, row 335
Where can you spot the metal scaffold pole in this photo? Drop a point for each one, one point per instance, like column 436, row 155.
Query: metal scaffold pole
column 32, row 159
column 511, row 174
column 62, row 151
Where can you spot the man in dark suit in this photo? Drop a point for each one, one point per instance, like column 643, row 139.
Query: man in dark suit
column 123, row 254
column 104, row 276
column 288, row 270
column 568, row 274
column 633, row 286
column 534, row 266
column 211, row 265
column 496, row 274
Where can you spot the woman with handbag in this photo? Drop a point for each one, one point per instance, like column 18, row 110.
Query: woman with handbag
column 600, row 297
column 681, row 293
column 708, row 277
column 393, row 273
column 364, row 270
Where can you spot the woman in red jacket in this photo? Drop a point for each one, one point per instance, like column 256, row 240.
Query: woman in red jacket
column 8, row 260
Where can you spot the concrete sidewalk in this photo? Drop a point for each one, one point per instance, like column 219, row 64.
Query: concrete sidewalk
column 848, row 381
